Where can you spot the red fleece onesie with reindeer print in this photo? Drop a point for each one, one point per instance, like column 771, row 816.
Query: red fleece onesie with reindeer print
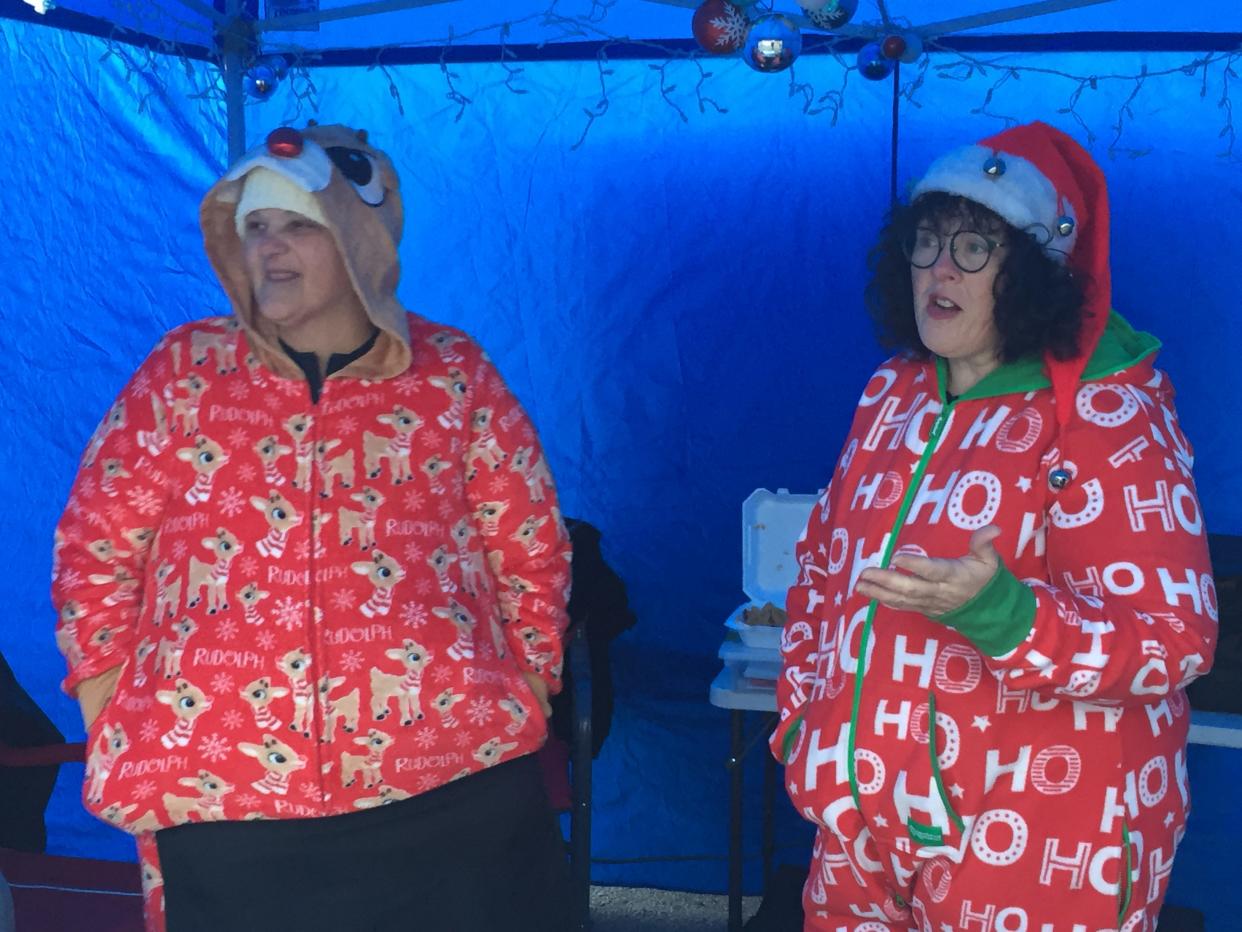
column 1018, row 764
column 316, row 607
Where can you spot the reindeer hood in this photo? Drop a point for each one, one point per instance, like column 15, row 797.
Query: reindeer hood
column 357, row 192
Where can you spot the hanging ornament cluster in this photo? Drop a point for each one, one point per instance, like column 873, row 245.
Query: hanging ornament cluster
column 770, row 42
column 876, row 60
column 264, row 76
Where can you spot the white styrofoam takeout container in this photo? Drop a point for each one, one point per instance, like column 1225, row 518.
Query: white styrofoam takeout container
column 772, row 522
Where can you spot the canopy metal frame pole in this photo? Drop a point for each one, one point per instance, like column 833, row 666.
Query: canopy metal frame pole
column 233, row 40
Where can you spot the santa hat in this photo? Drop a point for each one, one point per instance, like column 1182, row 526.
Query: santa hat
column 264, row 188
column 1045, row 184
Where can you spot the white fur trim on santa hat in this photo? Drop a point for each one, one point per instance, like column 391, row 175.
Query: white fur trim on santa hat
column 1022, row 194
column 265, row 188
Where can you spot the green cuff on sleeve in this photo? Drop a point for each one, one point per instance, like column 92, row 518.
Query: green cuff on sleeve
column 998, row 618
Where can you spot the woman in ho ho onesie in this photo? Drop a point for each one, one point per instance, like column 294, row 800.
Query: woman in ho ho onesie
column 1005, row 590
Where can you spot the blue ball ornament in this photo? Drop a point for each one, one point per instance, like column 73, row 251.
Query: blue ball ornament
column 872, row 64
column 260, row 81
column 773, row 43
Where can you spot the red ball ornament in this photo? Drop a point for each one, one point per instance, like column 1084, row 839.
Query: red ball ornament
column 720, row 27
column 285, row 142
column 893, row 47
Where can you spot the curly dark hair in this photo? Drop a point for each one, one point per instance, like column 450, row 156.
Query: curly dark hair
column 1039, row 304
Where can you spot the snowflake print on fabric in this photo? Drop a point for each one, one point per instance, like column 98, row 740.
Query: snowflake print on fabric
column 179, row 550
column 246, row 472
column 238, row 390
column 248, row 801
column 351, row 661
column 431, row 440
column 497, row 485
column 289, row 613
column 413, row 614
column 425, row 738
column 232, row 502
column 441, row 675
column 71, row 579
column 215, row 748
column 123, row 445
column 87, row 487
column 144, row 501
column 248, row 565
column 149, row 730
column 463, row 739
column 446, row 510
column 97, row 520
column 221, row 683
column 227, row 629
column 265, row 639
column 414, row 500
column 233, row 719
column 144, row 789
column 116, row 513
column 423, row 587
column 480, row 711
column 408, row 383
column 343, row 600
column 301, row 550
column 428, row 781
column 413, row 552
column 142, row 384
column 348, row 426
column 238, row 437
column 309, row 790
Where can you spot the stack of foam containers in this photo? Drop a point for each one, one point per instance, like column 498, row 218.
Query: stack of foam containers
column 772, row 522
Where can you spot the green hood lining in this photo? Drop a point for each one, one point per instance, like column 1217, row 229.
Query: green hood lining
column 1120, row 347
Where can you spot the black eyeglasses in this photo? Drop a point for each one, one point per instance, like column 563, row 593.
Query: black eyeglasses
column 969, row 250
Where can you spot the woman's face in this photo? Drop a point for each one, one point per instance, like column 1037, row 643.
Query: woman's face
column 296, row 272
column 954, row 310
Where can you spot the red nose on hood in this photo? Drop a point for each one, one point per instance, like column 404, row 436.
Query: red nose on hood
column 285, row 142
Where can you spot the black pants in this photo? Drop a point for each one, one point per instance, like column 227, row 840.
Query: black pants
column 482, row 854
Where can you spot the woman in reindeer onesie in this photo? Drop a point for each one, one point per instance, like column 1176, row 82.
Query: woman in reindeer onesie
column 261, row 588
column 1006, row 588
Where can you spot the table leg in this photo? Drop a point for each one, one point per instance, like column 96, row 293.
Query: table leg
column 735, row 823
column 769, row 830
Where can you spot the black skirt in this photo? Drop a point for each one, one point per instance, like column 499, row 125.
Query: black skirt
column 481, row 854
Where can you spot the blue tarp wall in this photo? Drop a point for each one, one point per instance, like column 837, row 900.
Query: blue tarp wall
column 676, row 300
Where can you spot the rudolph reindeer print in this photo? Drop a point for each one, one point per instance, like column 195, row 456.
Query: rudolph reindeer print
column 281, row 518
column 270, row 450
column 298, row 427
column 213, row 578
column 207, row 806
column 395, row 449
column 369, row 765
column 205, row 457
column 260, row 694
column 383, row 573
column 405, row 687
column 187, row 702
column 278, row 761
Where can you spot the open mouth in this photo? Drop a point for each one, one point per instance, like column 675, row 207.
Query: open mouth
column 941, row 308
column 280, row 275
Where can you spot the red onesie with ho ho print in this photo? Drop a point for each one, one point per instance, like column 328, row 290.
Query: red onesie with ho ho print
column 1020, row 763
column 317, row 607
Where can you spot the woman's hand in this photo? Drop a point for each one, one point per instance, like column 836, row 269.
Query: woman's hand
column 540, row 689
column 930, row 585
column 95, row 693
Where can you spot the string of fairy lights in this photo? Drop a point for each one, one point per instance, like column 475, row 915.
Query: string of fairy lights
column 770, row 42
